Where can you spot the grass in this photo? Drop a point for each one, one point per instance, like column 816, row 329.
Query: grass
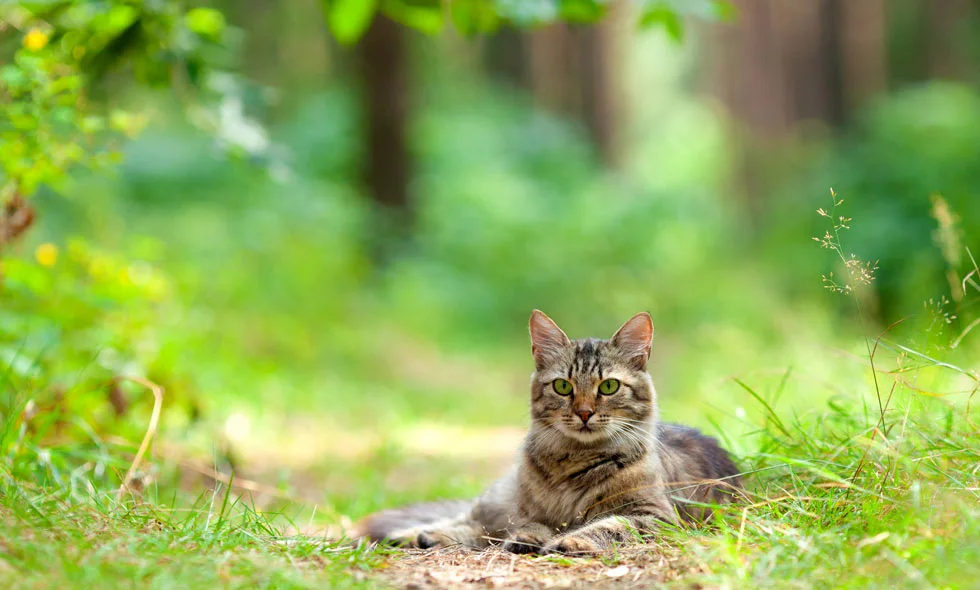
column 843, row 493
column 52, row 543
column 860, row 474
column 851, row 501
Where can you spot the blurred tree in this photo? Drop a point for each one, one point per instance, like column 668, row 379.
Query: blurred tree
column 568, row 68
column 260, row 51
column 947, row 27
column 933, row 39
column 784, row 63
column 384, row 77
column 505, row 56
column 598, row 86
column 808, row 70
column 780, row 65
column 572, row 72
column 65, row 48
column 864, row 51
column 61, row 51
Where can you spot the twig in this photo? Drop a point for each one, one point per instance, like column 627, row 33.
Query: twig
column 151, row 428
column 959, row 338
column 741, row 530
column 969, row 400
column 237, row 482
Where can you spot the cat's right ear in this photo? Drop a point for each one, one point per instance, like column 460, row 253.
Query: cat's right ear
column 547, row 339
column 634, row 338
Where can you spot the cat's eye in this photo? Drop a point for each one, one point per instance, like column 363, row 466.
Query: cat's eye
column 609, row 386
column 561, row 387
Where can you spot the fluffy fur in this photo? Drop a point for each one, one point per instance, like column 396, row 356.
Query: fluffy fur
column 596, row 468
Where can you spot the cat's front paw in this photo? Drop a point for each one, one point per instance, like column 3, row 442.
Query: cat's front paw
column 433, row 539
column 420, row 538
column 405, row 538
column 576, row 545
column 525, row 543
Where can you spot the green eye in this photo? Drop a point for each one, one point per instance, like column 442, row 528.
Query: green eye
column 561, row 387
column 609, row 386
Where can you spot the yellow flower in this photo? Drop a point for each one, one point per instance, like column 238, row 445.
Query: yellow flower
column 46, row 254
column 35, row 39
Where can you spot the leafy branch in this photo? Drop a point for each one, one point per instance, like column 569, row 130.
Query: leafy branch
column 349, row 19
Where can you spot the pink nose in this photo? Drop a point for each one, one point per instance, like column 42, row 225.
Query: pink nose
column 585, row 415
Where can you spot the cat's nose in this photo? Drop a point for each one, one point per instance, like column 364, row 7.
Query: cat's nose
column 585, row 414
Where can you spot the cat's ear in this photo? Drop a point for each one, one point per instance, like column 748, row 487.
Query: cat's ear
column 634, row 338
column 547, row 339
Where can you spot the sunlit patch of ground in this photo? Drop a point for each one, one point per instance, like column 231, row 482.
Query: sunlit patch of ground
column 311, row 465
column 308, row 444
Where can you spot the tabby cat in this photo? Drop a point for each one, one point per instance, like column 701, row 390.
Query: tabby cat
column 597, row 466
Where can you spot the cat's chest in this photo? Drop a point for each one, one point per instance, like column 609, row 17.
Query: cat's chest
column 565, row 494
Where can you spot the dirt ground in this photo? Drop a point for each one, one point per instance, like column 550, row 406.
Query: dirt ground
column 637, row 567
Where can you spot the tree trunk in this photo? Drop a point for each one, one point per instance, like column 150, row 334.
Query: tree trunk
column 260, row 53
column 598, row 88
column 554, row 71
column 747, row 70
column 747, row 75
column 384, row 76
column 945, row 24
column 305, row 49
column 864, row 51
column 572, row 74
column 786, row 63
column 782, row 62
column 506, row 57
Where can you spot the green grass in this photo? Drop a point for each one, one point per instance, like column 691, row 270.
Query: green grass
column 846, row 501
column 853, row 481
column 843, row 493
column 855, row 478
column 50, row 542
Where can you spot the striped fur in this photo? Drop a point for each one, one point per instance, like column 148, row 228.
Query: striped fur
column 595, row 470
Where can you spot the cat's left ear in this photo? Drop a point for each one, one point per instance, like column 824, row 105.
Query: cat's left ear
column 634, row 338
column 547, row 339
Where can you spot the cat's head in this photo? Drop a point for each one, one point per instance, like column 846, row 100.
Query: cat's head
column 592, row 390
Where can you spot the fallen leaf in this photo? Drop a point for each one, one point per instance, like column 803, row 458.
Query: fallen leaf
column 617, row 572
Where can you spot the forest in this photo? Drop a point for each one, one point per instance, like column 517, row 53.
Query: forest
column 267, row 267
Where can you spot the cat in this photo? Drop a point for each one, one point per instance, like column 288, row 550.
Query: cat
column 597, row 467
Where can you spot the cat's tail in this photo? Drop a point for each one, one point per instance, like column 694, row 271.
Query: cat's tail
column 380, row 525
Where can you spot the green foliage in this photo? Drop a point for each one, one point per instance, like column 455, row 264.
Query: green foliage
column 909, row 148
column 51, row 121
column 349, row 19
column 43, row 133
column 422, row 15
column 73, row 322
column 660, row 14
column 478, row 16
column 670, row 14
column 206, row 22
column 907, row 169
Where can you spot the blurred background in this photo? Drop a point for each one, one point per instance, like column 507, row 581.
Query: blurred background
column 331, row 270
